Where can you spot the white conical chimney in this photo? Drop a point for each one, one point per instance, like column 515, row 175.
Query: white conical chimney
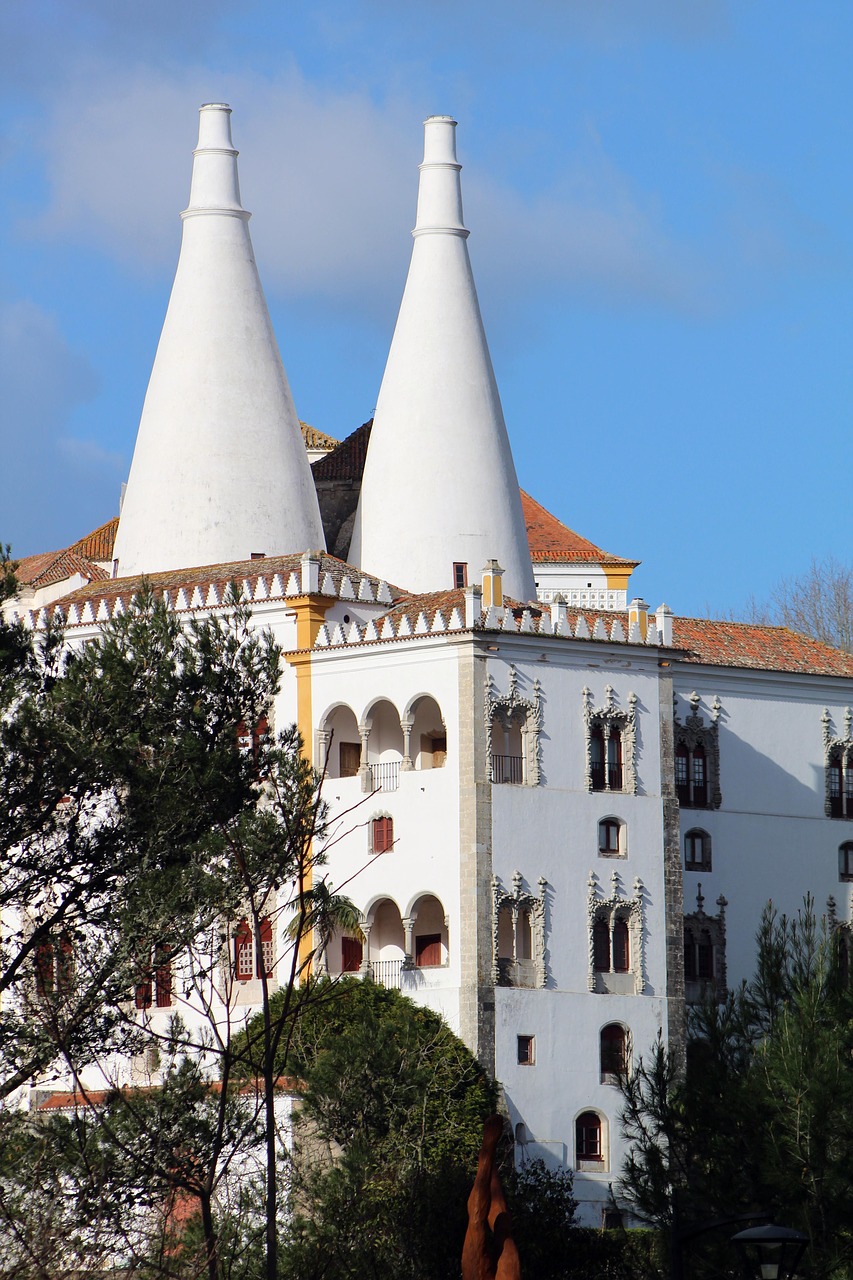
column 439, row 487
column 219, row 470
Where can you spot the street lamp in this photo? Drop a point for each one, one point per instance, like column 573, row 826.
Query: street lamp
column 770, row 1252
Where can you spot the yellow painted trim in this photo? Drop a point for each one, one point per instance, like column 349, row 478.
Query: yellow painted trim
column 617, row 579
column 310, row 616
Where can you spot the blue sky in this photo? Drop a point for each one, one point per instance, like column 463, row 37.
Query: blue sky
column 661, row 209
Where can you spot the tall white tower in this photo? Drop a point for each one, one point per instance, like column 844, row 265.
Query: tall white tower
column 439, row 486
column 219, row 470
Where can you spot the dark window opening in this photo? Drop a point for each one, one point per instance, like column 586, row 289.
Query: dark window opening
column 460, row 574
column 691, row 776
column 614, row 760
column 613, row 1051
column 526, row 1051
column 608, row 837
column 588, row 1136
column 428, row 950
column 601, row 946
column 596, row 745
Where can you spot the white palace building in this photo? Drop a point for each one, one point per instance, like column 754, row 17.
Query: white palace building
column 581, row 806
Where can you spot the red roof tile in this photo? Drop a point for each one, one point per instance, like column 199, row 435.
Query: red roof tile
column 173, row 580
column 98, row 545
column 50, row 567
column 315, row 439
column 744, row 644
column 551, row 541
column 347, row 461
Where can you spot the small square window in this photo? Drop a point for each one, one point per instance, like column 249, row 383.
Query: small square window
column 526, row 1051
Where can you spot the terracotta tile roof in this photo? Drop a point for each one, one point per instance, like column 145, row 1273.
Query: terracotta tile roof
column 744, row 644
column 98, row 545
column 555, row 543
column 739, row 644
column 219, row 575
column 49, row 567
column 347, row 461
column 315, row 439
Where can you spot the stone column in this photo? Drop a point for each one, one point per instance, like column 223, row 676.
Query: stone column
column 364, row 767
column 406, row 725
column 408, row 942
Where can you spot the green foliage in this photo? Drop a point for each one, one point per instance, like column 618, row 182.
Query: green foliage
column 543, row 1206
column 762, row 1119
column 389, row 1129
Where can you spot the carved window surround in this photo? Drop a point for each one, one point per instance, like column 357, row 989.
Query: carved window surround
column 612, row 907
column 838, row 798
column 514, row 711
column 513, row 971
column 606, row 718
column 696, row 924
column 693, row 732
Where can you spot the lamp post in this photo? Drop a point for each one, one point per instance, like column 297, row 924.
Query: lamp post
column 770, row 1252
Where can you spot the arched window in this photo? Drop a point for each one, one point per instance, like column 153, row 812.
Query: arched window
column 611, row 838
column 621, row 947
column 163, row 976
column 613, row 1052
column 596, row 748
column 601, row 945
column 588, row 1137
column 845, row 860
column 614, row 759
column 244, row 966
column 382, row 834
column 691, row 776
column 697, row 850
column 266, row 949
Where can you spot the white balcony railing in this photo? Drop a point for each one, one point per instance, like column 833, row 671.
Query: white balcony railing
column 385, row 776
column 386, row 973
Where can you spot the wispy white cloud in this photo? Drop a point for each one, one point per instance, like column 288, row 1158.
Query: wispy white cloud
column 331, row 178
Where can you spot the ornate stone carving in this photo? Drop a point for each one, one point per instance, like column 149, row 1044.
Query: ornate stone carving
column 514, row 970
column 694, row 732
column 513, row 710
column 617, row 905
column 696, row 924
column 839, row 760
column 607, row 718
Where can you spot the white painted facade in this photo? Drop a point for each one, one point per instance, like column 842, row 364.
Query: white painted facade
column 473, row 728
